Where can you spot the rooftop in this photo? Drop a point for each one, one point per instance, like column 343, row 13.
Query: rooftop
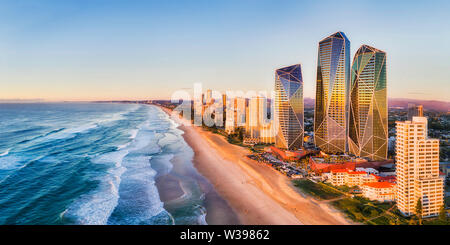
column 379, row 185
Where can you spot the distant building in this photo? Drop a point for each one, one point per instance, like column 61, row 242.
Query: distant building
column 289, row 107
column 257, row 124
column 199, row 110
column 235, row 114
column 414, row 111
column 391, row 144
column 379, row 191
column 332, row 89
column 368, row 116
column 209, row 98
column 444, row 167
column 256, row 114
column 224, row 108
column 418, row 169
column 241, row 105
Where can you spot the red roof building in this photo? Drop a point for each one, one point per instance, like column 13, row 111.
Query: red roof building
column 287, row 155
column 379, row 191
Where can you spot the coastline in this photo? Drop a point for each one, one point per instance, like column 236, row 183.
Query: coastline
column 183, row 185
column 258, row 194
column 172, row 191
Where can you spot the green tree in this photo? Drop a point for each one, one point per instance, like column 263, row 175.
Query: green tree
column 419, row 211
column 394, row 221
column 442, row 214
column 240, row 134
column 413, row 221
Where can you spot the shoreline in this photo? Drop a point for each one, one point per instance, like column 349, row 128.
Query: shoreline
column 258, row 194
column 184, row 184
column 172, row 191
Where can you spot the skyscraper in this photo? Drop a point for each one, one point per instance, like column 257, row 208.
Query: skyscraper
column 289, row 107
column 235, row 114
column 332, row 89
column 209, row 99
column 256, row 116
column 417, row 169
column 368, row 115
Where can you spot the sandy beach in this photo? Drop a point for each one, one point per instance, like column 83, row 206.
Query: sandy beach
column 257, row 193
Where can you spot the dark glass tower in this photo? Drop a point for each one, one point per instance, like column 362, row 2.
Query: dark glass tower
column 289, row 107
column 368, row 124
column 332, row 89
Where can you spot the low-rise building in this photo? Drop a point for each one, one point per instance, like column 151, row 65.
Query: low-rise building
column 250, row 141
column 350, row 178
column 319, row 165
column 379, row 191
column 286, row 155
column 444, row 167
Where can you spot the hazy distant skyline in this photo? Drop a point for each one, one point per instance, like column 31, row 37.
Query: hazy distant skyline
column 112, row 50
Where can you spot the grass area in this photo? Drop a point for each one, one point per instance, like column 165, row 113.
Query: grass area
column 369, row 212
column 260, row 147
column 382, row 220
column 360, row 209
column 319, row 191
column 436, row 221
column 343, row 188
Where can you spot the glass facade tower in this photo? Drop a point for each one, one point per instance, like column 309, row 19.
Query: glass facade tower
column 332, row 91
column 289, row 107
column 368, row 119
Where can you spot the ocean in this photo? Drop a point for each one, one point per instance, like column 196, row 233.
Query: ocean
column 95, row 163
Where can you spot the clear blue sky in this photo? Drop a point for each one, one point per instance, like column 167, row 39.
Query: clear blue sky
column 106, row 49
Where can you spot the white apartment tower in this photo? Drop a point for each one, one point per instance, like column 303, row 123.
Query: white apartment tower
column 418, row 169
column 256, row 116
column 235, row 114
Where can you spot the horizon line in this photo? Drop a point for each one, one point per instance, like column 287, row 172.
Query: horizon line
column 40, row 100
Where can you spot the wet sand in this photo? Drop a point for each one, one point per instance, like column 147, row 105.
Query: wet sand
column 257, row 193
column 169, row 188
column 173, row 188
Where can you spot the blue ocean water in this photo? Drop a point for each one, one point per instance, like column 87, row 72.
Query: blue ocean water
column 88, row 163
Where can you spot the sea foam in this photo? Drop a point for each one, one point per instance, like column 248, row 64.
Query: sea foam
column 130, row 173
column 5, row 153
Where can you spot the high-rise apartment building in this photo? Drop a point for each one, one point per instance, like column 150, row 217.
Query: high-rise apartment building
column 289, row 107
column 208, row 98
column 267, row 133
column 256, row 116
column 418, row 169
column 332, row 89
column 368, row 115
column 235, row 114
